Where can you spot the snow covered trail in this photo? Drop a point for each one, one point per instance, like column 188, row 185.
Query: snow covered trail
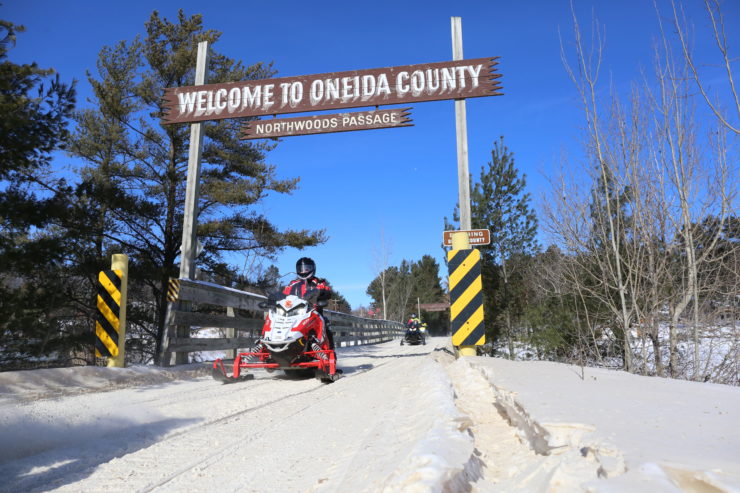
column 403, row 419
column 389, row 425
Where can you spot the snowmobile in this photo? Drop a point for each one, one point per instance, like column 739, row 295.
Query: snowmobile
column 293, row 340
column 413, row 337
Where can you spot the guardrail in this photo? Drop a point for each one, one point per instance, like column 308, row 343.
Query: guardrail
column 196, row 307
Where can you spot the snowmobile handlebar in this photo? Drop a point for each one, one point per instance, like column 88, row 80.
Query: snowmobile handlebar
column 311, row 296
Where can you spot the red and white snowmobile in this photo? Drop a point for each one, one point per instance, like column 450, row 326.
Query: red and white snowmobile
column 293, row 340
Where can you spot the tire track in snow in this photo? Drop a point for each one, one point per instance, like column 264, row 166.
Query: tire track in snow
column 508, row 458
column 228, row 406
column 210, row 459
column 52, row 467
column 500, row 453
column 339, row 436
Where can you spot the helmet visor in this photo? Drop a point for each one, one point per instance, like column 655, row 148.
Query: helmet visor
column 305, row 269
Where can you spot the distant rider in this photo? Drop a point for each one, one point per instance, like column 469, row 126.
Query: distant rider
column 414, row 324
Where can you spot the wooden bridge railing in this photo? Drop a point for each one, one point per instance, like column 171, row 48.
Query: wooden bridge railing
column 197, row 306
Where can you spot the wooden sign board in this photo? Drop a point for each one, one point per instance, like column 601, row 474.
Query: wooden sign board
column 434, row 307
column 353, row 89
column 475, row 236
column 321, row 124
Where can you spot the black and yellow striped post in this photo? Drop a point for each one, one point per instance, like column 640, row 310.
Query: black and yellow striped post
column 173, row 290
column 466, row 296
column 110, row 326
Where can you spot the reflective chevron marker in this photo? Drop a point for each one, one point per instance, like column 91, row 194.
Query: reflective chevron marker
column 173, row 290
column 466, row 298
column 107, row 324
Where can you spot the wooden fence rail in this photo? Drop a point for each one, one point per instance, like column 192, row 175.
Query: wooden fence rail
column 197, row 308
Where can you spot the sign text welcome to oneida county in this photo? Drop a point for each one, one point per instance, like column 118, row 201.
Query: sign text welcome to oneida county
column 393, row 85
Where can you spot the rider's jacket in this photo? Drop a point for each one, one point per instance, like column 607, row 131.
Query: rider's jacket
column 298, row 287
column 413, row 323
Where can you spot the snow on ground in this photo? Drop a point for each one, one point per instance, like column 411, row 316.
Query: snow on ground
column 403, row 419
column 379, row 427
column 627, row 432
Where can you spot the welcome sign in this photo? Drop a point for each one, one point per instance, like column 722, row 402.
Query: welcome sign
column 393, row 85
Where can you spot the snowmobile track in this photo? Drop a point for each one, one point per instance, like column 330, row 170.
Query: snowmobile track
column 212, row 458
column 162, row 432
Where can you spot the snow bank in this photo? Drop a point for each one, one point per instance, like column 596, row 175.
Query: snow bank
column 670, row 434
column 442, row 453
column 56, row 382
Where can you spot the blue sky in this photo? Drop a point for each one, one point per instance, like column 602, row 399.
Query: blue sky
column 400, row 182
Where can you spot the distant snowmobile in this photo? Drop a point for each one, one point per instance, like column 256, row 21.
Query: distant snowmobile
column 413, row 337
column 293, row 339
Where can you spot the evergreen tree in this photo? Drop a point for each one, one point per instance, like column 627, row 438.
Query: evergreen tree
column 427, row 284
column 401, row 289
column 428, row 289
column 35, row 108
column 137, row 167
column 395, row 282
column 339, row 303
column 34, row 289
column 407, row 284
column 269, row 281
column 499, row 203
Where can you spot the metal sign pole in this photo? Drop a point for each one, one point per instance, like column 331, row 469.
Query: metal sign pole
column 190, row 223
column 461, row 126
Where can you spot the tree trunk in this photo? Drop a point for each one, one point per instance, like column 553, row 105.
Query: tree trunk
column 654, row 337
column 382, row 288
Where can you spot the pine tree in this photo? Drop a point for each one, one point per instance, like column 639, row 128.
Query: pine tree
column 428, row 289
column 137, row 167
column 338, row 302
column 499, row 203
column 34, row 304
column 407, row 284
column 427, row 284
column 398, row 288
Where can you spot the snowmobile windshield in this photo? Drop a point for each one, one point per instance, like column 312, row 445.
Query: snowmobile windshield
column 291, row 309
column 303, row 290
column 311, row 297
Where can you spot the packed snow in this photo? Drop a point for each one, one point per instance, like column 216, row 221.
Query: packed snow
column 402, row 419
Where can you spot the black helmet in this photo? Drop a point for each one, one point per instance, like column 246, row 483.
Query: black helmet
column 413, row 315
column 305, row 268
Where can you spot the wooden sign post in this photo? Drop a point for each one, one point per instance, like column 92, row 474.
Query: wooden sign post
column 461, row 129
column 190, row 223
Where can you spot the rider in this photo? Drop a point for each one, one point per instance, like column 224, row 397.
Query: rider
column 414, row 323
column 306, row 268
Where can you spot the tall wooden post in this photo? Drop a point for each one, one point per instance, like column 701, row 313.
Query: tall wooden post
column 461, row 127
column 119, row 261
column 188, row 250
column 190, row 221
column 460, row 240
